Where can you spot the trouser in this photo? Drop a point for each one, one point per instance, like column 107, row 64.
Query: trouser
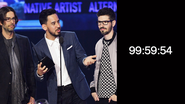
column 68, row 95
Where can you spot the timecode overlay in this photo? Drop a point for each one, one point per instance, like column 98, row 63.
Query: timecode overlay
column 151, row 59
column 150, row 50
column 151, row 70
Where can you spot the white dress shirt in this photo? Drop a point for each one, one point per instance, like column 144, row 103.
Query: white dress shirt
column 54, row 48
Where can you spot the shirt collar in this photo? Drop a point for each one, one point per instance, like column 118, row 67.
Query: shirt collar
column 110, row 40
column 13, row 39
column 50, row 42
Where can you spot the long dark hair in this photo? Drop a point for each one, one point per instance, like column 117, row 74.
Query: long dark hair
column 4, row 11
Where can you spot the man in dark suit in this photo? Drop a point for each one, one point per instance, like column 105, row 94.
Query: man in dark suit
column 17, row 83
column 66, row 82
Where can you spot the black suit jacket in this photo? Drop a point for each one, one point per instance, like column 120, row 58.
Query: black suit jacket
column 27, row 67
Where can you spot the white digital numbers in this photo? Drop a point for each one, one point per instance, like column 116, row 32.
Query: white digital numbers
column 150, row 50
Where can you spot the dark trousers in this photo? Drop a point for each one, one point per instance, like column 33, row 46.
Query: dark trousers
column 67, row 95
column 105, row 101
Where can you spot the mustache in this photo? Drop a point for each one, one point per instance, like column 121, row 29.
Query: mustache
column 58, row 29
column 103, row 28
column 11, row 25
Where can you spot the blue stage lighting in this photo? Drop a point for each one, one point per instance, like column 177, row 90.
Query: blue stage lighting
column 30, row 24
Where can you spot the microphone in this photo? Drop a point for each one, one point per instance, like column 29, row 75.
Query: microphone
column 61, row 40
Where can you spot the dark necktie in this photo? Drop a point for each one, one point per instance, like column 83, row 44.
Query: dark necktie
column 106, row 85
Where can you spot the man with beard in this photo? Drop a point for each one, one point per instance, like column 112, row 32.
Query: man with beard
column 66, row 83
column 104, row 86
column 17, row 82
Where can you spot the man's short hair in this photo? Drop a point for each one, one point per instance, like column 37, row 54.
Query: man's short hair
column 44, row 14
column 107, row 11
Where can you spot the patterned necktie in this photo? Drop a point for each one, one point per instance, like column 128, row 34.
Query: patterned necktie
column 106, row 85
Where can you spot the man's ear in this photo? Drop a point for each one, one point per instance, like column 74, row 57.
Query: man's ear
column 113, row 23
column 44, row 27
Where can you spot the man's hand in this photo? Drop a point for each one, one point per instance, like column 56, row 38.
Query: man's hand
column 95, row 96
column 113, row 98
column 32, row 101
column 89, row 60
column 41, row 70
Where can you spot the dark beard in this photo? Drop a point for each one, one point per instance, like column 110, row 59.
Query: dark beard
column 54, row 34
column 8, row 30
column 105, row 32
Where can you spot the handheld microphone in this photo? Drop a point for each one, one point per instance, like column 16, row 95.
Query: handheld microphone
column 61, row 40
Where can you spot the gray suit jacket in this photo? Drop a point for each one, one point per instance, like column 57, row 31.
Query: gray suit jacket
column 113, row 57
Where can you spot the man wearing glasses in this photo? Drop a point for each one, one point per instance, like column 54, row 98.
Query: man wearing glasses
column 17, row 83
column 104, row 86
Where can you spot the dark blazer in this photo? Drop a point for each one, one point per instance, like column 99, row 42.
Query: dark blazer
column 27, row 67
column 73, row 56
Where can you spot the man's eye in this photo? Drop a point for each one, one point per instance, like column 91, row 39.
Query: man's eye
column 53, row 23
column 105, row 21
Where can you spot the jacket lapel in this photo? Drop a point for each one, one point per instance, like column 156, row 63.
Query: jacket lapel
column 21, row 50
column 3, row 50
column 65, row 53
column 45, row 49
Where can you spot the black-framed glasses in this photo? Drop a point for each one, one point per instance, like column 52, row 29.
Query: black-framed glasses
column 9, row 19
column 104, row 22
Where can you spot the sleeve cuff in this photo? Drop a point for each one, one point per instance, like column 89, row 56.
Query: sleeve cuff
column 116, row 92
column 93, row 89
column 83, row 61
column 41, row 77
column 88, row 67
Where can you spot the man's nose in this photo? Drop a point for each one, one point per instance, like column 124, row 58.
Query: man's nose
column 12, row 21
column 58, row 24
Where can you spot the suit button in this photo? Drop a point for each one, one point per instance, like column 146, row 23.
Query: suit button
column 9, row 83
column 10, row 73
